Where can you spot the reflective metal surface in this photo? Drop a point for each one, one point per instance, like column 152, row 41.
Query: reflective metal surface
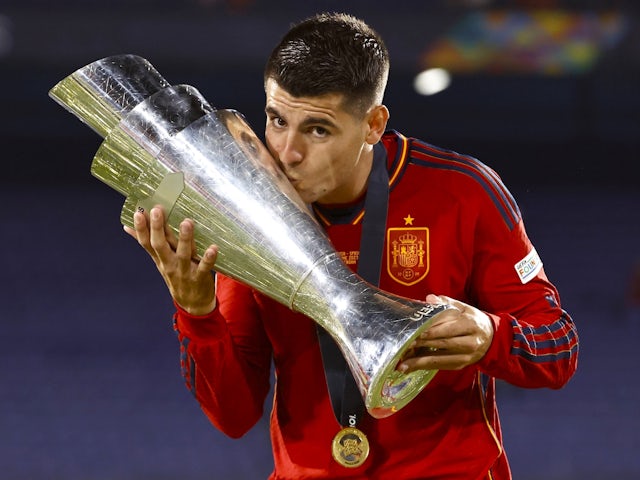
column 166, row 145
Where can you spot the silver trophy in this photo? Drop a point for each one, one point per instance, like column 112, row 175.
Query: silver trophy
column 165, row 145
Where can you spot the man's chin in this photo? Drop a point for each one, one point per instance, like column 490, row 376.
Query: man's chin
column 307, row 196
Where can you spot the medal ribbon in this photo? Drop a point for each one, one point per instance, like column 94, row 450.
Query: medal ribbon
column 346, row 400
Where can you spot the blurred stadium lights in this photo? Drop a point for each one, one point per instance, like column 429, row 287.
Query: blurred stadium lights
column 543, row 41
column 432, row 81
column 527, row 41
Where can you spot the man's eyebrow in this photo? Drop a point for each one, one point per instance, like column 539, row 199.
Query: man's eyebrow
column 269, row 110
column 317, row 121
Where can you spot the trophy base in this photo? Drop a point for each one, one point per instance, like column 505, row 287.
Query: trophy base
column 391, row 389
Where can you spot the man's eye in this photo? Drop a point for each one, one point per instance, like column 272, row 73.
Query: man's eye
column 278, row 122
column 320, row 131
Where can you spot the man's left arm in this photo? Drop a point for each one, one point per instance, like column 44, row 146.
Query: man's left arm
column 516, row 329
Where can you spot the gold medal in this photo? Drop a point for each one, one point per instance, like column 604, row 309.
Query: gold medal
column 350, row 447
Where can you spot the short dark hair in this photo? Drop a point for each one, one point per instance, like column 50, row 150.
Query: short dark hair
column 332, row 53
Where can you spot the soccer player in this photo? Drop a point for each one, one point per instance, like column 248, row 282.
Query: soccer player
column 452, row 234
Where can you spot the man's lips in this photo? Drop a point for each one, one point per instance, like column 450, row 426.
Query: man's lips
column 293, row 180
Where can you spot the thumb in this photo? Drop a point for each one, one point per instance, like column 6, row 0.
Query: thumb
column 444, row 300
column 433, row 298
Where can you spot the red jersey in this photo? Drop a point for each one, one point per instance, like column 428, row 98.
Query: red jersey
column 452, row 229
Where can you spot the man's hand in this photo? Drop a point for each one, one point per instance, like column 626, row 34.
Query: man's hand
column 189, row 279
column 458, row 337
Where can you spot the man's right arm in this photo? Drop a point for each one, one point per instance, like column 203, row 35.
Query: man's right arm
column 226, row 358
column 225, row 353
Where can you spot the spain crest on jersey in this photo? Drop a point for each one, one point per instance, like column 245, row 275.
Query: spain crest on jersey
column 408, row 254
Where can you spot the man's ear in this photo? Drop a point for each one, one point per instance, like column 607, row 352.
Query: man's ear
column 377, row 119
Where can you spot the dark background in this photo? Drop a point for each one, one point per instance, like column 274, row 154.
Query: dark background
column 90, row 386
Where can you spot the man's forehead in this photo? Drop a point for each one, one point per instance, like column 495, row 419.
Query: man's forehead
column 278, row 98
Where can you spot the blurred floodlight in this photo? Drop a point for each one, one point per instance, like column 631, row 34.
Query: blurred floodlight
column 431, row 81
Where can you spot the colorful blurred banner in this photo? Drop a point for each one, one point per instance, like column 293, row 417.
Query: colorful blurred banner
column 547, row 42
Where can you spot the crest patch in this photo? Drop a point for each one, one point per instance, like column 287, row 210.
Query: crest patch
column 408, row 254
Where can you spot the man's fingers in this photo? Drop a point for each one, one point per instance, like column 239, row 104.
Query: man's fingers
column 140, row 232
column 130, row 231
column 208, row 260
column 158, row 239
column 446, row 325
column 434, row 361
column 170, row 236
column 185, row 250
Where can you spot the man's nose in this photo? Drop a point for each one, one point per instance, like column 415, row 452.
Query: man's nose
column 291, row 150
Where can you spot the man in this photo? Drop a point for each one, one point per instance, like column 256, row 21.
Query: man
column 452, row 230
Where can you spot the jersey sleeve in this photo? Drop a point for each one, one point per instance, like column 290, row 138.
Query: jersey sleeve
column 225, row 358
column 535, row 342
